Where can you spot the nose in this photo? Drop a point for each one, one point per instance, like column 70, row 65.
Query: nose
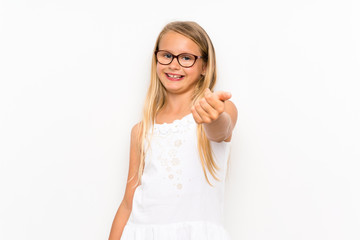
column 174, row 64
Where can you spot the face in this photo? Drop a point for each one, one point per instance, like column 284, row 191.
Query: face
column 175, row 78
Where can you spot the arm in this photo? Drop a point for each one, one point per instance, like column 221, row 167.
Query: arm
column 221, row 128
column 124, row 211
column 217, row 114
column 120, row 220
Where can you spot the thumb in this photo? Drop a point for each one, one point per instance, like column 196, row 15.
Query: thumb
column 223, row 96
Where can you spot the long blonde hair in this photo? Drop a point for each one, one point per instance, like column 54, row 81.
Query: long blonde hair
column 156, row 94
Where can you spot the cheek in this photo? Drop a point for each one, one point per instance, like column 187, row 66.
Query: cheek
column 194, row 72
column 159, row 69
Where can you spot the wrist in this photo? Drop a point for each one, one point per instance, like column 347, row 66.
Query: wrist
column 223, row 118
column 220, row 129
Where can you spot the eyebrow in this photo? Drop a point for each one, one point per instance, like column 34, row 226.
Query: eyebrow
column 179, row 53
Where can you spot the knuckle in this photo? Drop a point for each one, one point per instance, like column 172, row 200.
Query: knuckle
column 214, row 116
column 221, row 108
column 207, row 120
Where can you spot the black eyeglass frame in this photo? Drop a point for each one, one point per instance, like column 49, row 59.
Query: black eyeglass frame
column 176, row 56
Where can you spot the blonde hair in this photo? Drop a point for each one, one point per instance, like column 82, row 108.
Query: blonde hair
column 156, row 94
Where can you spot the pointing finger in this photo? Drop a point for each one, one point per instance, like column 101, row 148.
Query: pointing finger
column 223, row 96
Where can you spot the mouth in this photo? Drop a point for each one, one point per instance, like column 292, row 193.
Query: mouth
column 174, row 77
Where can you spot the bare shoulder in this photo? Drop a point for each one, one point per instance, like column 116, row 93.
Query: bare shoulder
column 231, row 109
column 134, row 162
column 135, row 130
column 134, row 145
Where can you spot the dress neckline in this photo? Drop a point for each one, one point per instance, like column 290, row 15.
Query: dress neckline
column 175, row 121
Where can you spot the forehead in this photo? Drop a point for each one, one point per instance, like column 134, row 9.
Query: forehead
column 177, row 43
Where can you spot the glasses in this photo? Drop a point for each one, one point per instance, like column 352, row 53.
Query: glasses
column 185, row 60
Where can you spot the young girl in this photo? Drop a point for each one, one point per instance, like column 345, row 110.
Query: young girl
column 179, row 151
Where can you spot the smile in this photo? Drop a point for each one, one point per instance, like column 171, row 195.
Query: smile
column 174, row 77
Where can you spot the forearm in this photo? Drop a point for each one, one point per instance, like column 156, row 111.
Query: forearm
column 120, row 220
column 220, row 129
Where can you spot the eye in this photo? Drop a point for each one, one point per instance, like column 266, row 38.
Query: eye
column 187, row 57
column 167, row 55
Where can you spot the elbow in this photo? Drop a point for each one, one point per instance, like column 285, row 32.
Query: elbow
column 126, row 205
column 219, row 138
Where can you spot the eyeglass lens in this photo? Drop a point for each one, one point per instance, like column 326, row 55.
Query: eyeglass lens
column 185, row 59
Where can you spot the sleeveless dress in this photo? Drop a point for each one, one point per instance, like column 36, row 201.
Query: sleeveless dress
column 174, row 200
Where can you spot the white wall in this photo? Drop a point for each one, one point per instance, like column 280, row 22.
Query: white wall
column 73, row 75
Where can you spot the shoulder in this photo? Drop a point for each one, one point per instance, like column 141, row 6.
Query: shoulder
column 135, row 133
column 134, row 164
column 136, row 128
column 229, row 105
column 231, row 109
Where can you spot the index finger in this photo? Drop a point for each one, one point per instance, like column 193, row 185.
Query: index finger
column 214, row 101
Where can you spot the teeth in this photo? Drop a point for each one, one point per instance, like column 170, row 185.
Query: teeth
column 174, row 76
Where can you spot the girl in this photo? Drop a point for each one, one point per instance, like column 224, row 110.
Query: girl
column 179, row 151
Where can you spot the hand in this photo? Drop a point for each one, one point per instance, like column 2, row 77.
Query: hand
column 209, row 108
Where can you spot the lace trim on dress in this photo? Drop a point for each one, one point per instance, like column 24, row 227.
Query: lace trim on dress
column 178, row 125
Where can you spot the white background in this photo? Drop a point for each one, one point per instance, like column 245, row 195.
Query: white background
column 73, row 77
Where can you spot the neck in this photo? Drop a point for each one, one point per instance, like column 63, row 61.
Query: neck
column 178, row 104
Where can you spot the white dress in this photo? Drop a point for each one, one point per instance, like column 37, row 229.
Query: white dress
column 174, row 200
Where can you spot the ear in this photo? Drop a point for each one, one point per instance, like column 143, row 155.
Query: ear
column 204, row 69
